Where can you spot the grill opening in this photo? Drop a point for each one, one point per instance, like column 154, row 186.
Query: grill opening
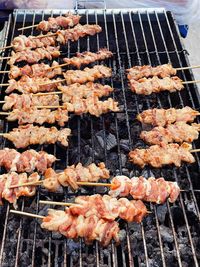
column 170, row 235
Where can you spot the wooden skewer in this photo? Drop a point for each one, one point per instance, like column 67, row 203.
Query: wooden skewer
column 5, row 47
column 56, row 203
column 2, row 102
column 41, row 182
column 4, row 84
column 57, row 81
column 50, row 107
column 4, row 113
column 59, row 66
column 195, row 150
column 4, row 71
column 49, row 93
column 2, row 58
column 45, row 35
column 27, row 214
column 190, row 82
column 28, row 27
column 189, row 67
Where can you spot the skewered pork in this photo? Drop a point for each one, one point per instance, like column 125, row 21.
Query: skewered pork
column 73, row 174
column 32, row 85
column 13, row 178
column 163, row 117
column 26, row 135
column 22, row 42
column 39, row 116
column 63, row 36
column 26, row 101
column 157, row 156
column 26, row 161
column 109, row 208
column 37, row 70
column 34, row 56
column 54, row 24
column 87, row 57
column 87, row 75
column 84, row 91
column 90, row 228
column 178, row 133
column 91, row 105
column 151, row 189
column 147, row 86
column 162, row 71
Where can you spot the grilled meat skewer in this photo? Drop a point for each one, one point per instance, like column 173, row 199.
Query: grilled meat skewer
column 26, row 161
column 63, row 36
column 32, row 85
column 91, row 105
column 73, row 174
column 39, row 116
column 25, row 101
column 109, row 208
column 161, row 71
column 177, row 132
column 147, row 86
column 150, row 190
column 54, row 24
column 157, row 156
column 26, row 135
column 90, row 228
column 22, row 42
column 87, row 75
column 36, row 70
column 34, row 56
column 84, row 91
column 163, row 117
column 87, row 57
column 9, row 179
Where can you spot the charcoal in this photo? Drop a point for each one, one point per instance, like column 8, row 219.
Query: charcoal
column 161, row 212
column 109, row 140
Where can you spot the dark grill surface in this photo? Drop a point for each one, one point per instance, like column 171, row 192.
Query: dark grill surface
column 170, row 235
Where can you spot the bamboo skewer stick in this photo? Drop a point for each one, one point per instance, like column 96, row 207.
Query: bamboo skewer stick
column 41, row 182
column 45, row 35
column 190, row 82
column 187, row 68
column 5, row 47
column 4, row 84
column 4, row 71
column 2, row 58
column 27, row 214
column 195, row 150
column 67, row 204
column 28, row 27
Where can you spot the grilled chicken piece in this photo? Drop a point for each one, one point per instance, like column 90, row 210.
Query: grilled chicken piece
column 26, row 135
column 109, row 208
column 34, row 56
column 87, row 75
column 84, row 91
column 147, row 86
column 87, row 57
column 25, row 101
column 158, row 156
column 63, row 36
column 39, row 116
column 22, row 42
column 90, row 228
column 26, row 161
column 91, row 105
column 36, row 70
column 12, row 178
column 151, row 189
column 32, row 85
column 73, row 174
column 162, row 71
column 54, row 24
column 178, row 133
column 163, row 117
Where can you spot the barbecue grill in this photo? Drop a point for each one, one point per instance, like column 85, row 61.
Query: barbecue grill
column 170, row 235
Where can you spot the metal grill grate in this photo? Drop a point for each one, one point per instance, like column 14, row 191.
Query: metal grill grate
column 170, row 235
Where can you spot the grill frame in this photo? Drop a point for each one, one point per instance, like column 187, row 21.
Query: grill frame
column 114, row 17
